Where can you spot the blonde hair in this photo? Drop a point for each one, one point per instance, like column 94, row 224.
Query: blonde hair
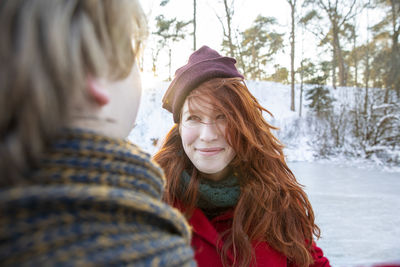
column 48, row 49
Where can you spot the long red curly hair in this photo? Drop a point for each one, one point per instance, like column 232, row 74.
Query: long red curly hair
column 272, row 206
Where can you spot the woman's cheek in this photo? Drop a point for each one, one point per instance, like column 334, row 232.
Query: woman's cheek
column 188, row 136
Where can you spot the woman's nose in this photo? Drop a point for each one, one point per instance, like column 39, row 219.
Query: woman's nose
column 208, row 132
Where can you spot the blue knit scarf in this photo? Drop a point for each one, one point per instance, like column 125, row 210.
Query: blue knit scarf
column 92, row 201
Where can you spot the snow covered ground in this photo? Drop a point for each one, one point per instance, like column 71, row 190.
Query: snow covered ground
column 356, row 201
column 357, row 211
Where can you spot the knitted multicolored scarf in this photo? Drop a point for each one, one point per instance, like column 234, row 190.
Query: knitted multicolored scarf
column 93, row 201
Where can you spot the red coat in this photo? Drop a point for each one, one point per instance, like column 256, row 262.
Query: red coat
column 205, row 236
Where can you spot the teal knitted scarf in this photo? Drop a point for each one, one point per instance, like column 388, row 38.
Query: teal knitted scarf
column 215, row 197
column 92, row 201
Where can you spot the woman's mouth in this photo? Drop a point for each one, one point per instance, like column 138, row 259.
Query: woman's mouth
column 209, row 151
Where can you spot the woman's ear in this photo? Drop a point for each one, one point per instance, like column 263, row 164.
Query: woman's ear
column 98, row 92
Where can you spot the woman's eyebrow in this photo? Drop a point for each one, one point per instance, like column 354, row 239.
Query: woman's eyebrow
column 194, row 110
column 188, row 113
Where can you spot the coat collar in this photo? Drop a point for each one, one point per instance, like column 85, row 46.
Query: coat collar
column 205, row 229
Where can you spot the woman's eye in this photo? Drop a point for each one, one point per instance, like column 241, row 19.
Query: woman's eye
column 193, row 118
column 221, row 117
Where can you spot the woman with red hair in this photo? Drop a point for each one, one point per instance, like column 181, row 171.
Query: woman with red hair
column 227, row 173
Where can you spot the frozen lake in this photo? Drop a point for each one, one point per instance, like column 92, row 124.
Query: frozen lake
column 358, row 211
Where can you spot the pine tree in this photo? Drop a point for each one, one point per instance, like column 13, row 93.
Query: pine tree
column 169, row 32
column 319, row 95
column 388, row 31
column 259, row 44
column 339, row 14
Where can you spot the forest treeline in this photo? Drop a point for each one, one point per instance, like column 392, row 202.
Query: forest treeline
column 369, row 64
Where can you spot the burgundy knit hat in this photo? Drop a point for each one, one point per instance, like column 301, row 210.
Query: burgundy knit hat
column 203, row 65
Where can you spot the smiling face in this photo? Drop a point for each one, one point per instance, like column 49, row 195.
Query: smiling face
column 202, row 129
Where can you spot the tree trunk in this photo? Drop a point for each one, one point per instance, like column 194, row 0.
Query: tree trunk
column 301, row 73
column 169, row 64
column 292, row 4
column 229, row 21
column 154, row 56
column 339, row 56
column 338, row 18
column 394, row 81
column 334, row 68
column 342, row 66
column 241, row 60
column 254, row 74
column 355, row 56
column 367, row 72
column 301, row 88
column 194, row 25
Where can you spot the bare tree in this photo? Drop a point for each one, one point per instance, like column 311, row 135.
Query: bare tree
column 390, row 26
column 227, row 26
column 292, row 4
column 194, row 24
column 367, row 76
column 339, row 13
column 301, row 88
column 355, row 54
column 395, row 51
column 155, row 52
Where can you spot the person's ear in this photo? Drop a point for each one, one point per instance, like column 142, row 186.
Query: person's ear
column 98, row 92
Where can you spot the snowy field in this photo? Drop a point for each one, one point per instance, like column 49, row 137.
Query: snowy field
column 356, row 202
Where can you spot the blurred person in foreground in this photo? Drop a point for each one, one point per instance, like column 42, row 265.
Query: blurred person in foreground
column 227, row 172
column 73, row 191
